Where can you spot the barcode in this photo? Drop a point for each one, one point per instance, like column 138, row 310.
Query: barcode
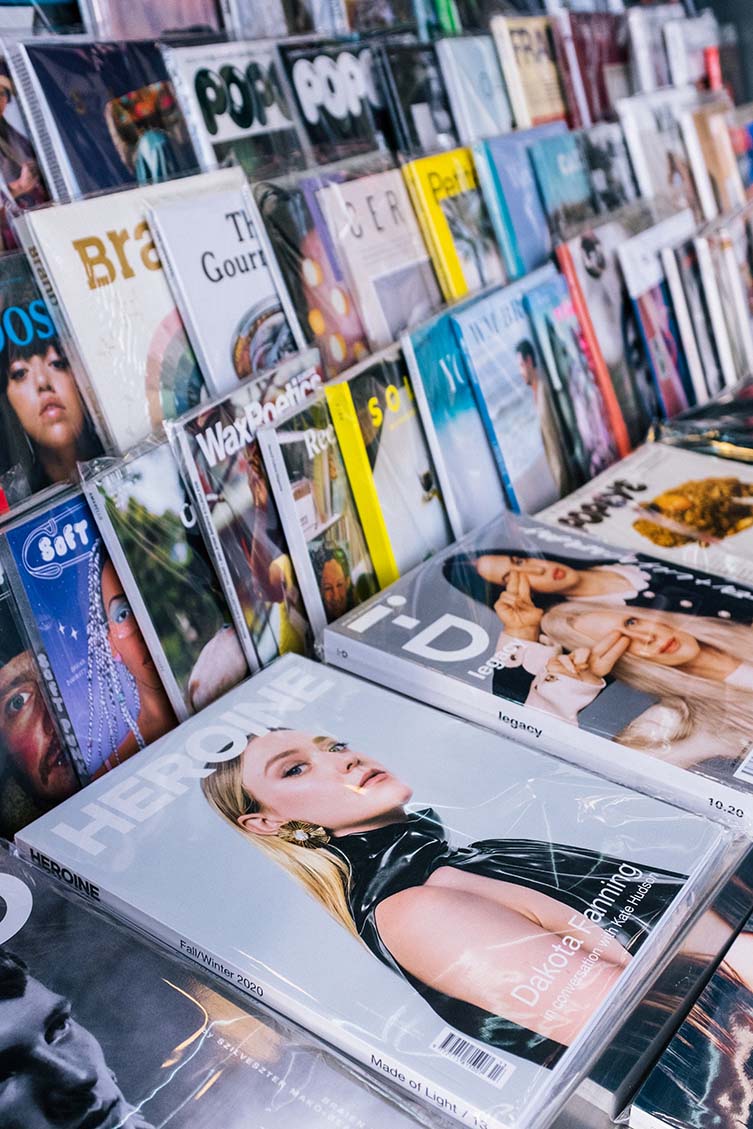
column 745, row 768
column 473, row 1056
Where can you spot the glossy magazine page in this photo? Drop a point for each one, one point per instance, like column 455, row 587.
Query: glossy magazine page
column 144, row 1039
column 610, row 658
column 146, row 518
column 103, row 684
column 238, row 513
column 45, row 427
column 237, row 315
column 236, row 106
column 396, row 856
column 38, row 768
column 107, row 290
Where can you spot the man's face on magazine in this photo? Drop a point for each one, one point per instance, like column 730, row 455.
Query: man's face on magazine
column 53, row 1074
column 28, row 735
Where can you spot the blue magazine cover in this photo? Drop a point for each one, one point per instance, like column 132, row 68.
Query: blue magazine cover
column 564, row 183
column 466, row 469
column 559, row 336
column 512, row 198
column 514, row 394
column 111, row 111
column 102, row 680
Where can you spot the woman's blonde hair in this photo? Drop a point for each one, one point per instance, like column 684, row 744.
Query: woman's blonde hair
column 323, row 874
column 724, row 712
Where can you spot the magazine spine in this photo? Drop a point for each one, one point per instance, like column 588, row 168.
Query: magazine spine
column 499, row 214
column 570, row 72
column 698, row 166
column 716, row 312
column 511, row 72
column 34, row 253
column 134, row 596
column 641, row 67
column 274, row 463
column 199, row 140
column 435, row 447
column 358, row 468
column 674, row 45
column 54, row 699
column 741, row 311
column 431, row 237
column 47, row 143
column 648, row 353
column 685, row 324
column 636, row 152
column 616, row 419
column 458, row 103
column 447, row 15
column 181, row 448
column 538, row 729
column 483, row 410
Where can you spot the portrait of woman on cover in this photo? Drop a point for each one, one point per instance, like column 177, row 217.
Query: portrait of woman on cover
column 597, row 622
column 44, row 426
column 464, row 926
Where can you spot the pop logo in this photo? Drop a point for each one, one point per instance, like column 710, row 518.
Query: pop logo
column 338, row 85
column 245, row 96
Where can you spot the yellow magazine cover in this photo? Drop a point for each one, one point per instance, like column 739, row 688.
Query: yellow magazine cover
column 525, row 46
column 454, row 222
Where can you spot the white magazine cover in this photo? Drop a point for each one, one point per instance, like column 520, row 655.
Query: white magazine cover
column 236, row 106
column 376, row 235
column 108, row 295
column 234, row 305
column 732, row 365
column 619, row 661
column 460, row 913
column 652, row 126
column 692, row 509
column 686, row 41
column 691, row 344
column 730, row 246
column 475, row 87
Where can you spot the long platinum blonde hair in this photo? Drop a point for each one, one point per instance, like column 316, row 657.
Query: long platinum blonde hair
column 694, row 704
column 323, row 874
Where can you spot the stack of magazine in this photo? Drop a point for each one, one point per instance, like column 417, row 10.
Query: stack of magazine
column 415, row 337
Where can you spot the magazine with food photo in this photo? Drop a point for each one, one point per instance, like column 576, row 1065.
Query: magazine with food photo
column 396, row 857
column 389, row 464
column 512, row 198
column 111, row 303
column 688, row 507
column 475, row 86
column 515, row 395
column 236, row 106
column 231, row 297
column 377, row 238
column 625, row 663
column 466, row 468
column 38, row 768
column 297, row 238
column 590, row 264
column 45, row 426
column 102, row 683
column 102, row 115
column 589, row 440
column 646, row 284
column 149, row 528
column 309, row 481
column 142, row 1038
column 454, row 222
column 217, row 449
